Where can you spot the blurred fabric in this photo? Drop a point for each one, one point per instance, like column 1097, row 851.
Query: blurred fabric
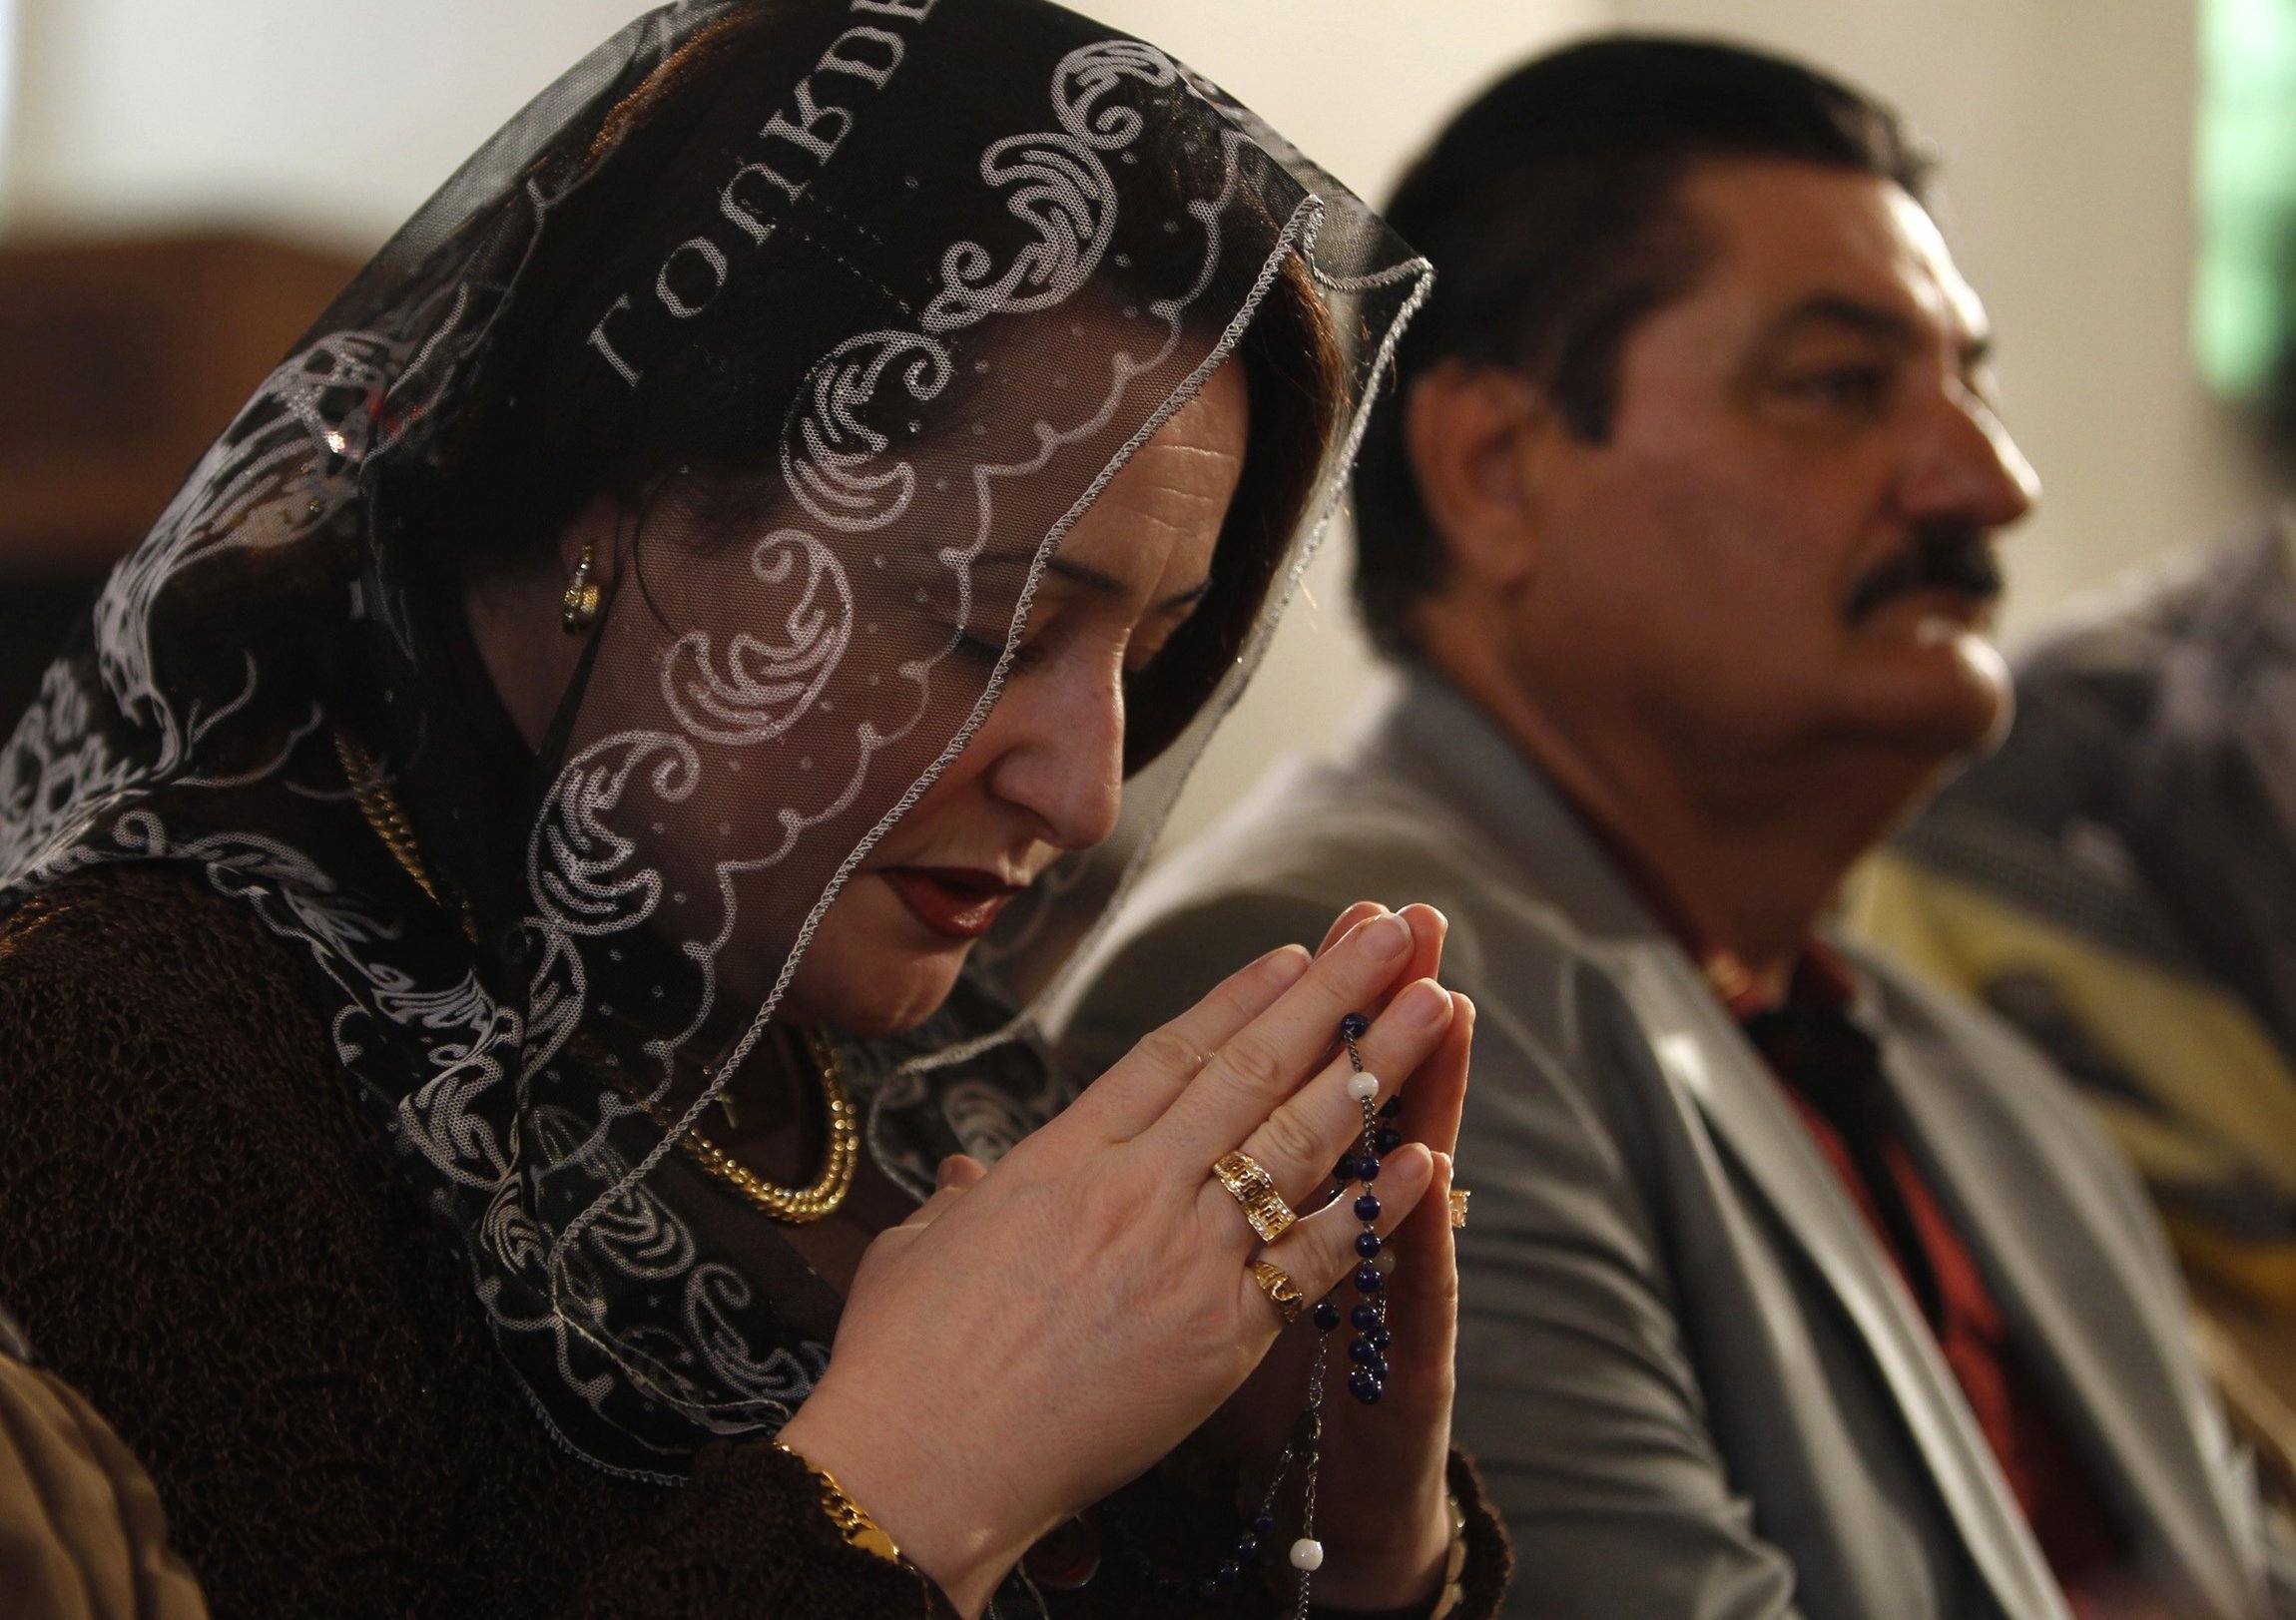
column 82, row 1535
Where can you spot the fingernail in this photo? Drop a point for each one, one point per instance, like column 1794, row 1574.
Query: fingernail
column 944, row 1173
column 1386, row 937
column 1422, row 1004
column 1288, row 965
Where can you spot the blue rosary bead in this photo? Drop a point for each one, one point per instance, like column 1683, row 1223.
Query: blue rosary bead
column 1367, row 1207
column 1379, row 1337
column 1362, row 1353
column 1388, row 1138
column 1377, row 1367
column 1263, row 1524
column 1366, row 1280
column 1365, row 1387
column 1367, row 1167
column 1231, row 1571
column 1392, row 1107
column 1353, row 1026
column 1364, row 1316
column 1367, row 1244
column 1327, row 1315
column 1345, row 1170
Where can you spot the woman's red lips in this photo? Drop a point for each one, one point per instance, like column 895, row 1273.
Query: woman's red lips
column 959, row 902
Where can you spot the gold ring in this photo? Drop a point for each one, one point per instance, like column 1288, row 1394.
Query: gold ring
column 1284, row 1293
column 1459, row 1197
column 1255, row 1188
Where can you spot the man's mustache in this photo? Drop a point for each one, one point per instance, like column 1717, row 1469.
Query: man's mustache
column 1951, row 557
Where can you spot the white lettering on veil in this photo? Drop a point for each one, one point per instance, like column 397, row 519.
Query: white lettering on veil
column 807, row 131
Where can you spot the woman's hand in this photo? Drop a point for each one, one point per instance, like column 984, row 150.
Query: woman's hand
column 1036, row 1337
column 1379, row 1509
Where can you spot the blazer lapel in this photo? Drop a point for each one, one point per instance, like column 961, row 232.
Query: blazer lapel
column 1703, row 1052
column 1460, row 757
column 2098, row 1327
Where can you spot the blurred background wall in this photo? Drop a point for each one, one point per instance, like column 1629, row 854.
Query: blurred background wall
column 2065, row 126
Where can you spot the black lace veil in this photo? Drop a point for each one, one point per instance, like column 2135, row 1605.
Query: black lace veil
column 853, row 307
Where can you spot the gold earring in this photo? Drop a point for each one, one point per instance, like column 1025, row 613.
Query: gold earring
column 581, row 599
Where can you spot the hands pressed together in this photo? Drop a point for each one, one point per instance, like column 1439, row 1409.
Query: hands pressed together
column 1039, row 1334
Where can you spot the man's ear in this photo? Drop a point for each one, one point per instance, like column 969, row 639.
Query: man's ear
column 1472, row 432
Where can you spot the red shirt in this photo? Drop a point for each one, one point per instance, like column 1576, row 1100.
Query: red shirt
column 2035, row 1455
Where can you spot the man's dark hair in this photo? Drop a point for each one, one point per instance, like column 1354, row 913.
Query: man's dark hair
column 1549, row 209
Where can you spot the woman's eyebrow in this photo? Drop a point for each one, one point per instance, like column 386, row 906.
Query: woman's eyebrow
column 1099, row 583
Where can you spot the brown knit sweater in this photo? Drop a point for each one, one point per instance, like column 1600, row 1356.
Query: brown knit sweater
column 199, row 1229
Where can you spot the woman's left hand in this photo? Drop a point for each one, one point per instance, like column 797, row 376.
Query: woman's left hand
column 1379, row 1493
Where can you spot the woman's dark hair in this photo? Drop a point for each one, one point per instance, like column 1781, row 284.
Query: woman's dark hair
column 1550, row 211
column 540, row 446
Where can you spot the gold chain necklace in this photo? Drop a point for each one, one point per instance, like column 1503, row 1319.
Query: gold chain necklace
column 364, row 769
column 794, row 1204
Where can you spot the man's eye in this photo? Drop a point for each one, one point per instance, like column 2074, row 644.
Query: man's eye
column 1850, row 387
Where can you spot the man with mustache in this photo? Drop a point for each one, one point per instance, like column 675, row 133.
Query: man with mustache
column 1791, row 1287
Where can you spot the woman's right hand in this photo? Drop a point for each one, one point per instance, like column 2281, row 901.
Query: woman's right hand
column 1038, row 1334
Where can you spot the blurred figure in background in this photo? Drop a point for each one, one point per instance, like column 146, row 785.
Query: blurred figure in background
column 2119, row 881
column 82, row 1534
column 1793, row 1287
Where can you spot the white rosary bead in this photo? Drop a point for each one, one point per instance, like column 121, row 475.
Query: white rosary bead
column 1384, row 1263
column 1307, row 1554
column 1363, row 1087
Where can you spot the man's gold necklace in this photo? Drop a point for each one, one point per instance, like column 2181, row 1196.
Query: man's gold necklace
column 793, row 1205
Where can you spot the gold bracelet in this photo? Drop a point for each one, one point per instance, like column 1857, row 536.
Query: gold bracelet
column 1453, row 1593
column 850, row 1518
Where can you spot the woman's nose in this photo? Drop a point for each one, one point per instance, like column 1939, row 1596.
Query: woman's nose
column 1062, row 754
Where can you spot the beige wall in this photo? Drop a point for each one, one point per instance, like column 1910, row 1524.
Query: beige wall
column 327, row 122
column 2065, row 126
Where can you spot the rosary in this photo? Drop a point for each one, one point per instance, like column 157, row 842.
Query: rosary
column 1367, row 1382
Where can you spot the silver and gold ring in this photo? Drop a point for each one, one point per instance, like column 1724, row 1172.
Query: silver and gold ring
column 1255, row 1188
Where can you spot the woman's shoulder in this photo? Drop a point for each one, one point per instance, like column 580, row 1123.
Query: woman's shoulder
column 159, row 1056
column 137, row 919
column 112, row 968
column 209, row 1237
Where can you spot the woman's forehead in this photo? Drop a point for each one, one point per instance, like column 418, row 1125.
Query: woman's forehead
column 1155, row 526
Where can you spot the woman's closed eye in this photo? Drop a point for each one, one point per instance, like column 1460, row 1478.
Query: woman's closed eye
column 985, row 652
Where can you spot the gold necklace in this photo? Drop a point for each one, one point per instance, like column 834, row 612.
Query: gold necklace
column 363, row 768
column 794, row 1204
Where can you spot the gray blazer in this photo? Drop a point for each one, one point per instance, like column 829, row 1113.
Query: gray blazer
column 1695, row 1380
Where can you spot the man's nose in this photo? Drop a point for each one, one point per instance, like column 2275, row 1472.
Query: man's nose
column 1063, row 760
column 1967, row 468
